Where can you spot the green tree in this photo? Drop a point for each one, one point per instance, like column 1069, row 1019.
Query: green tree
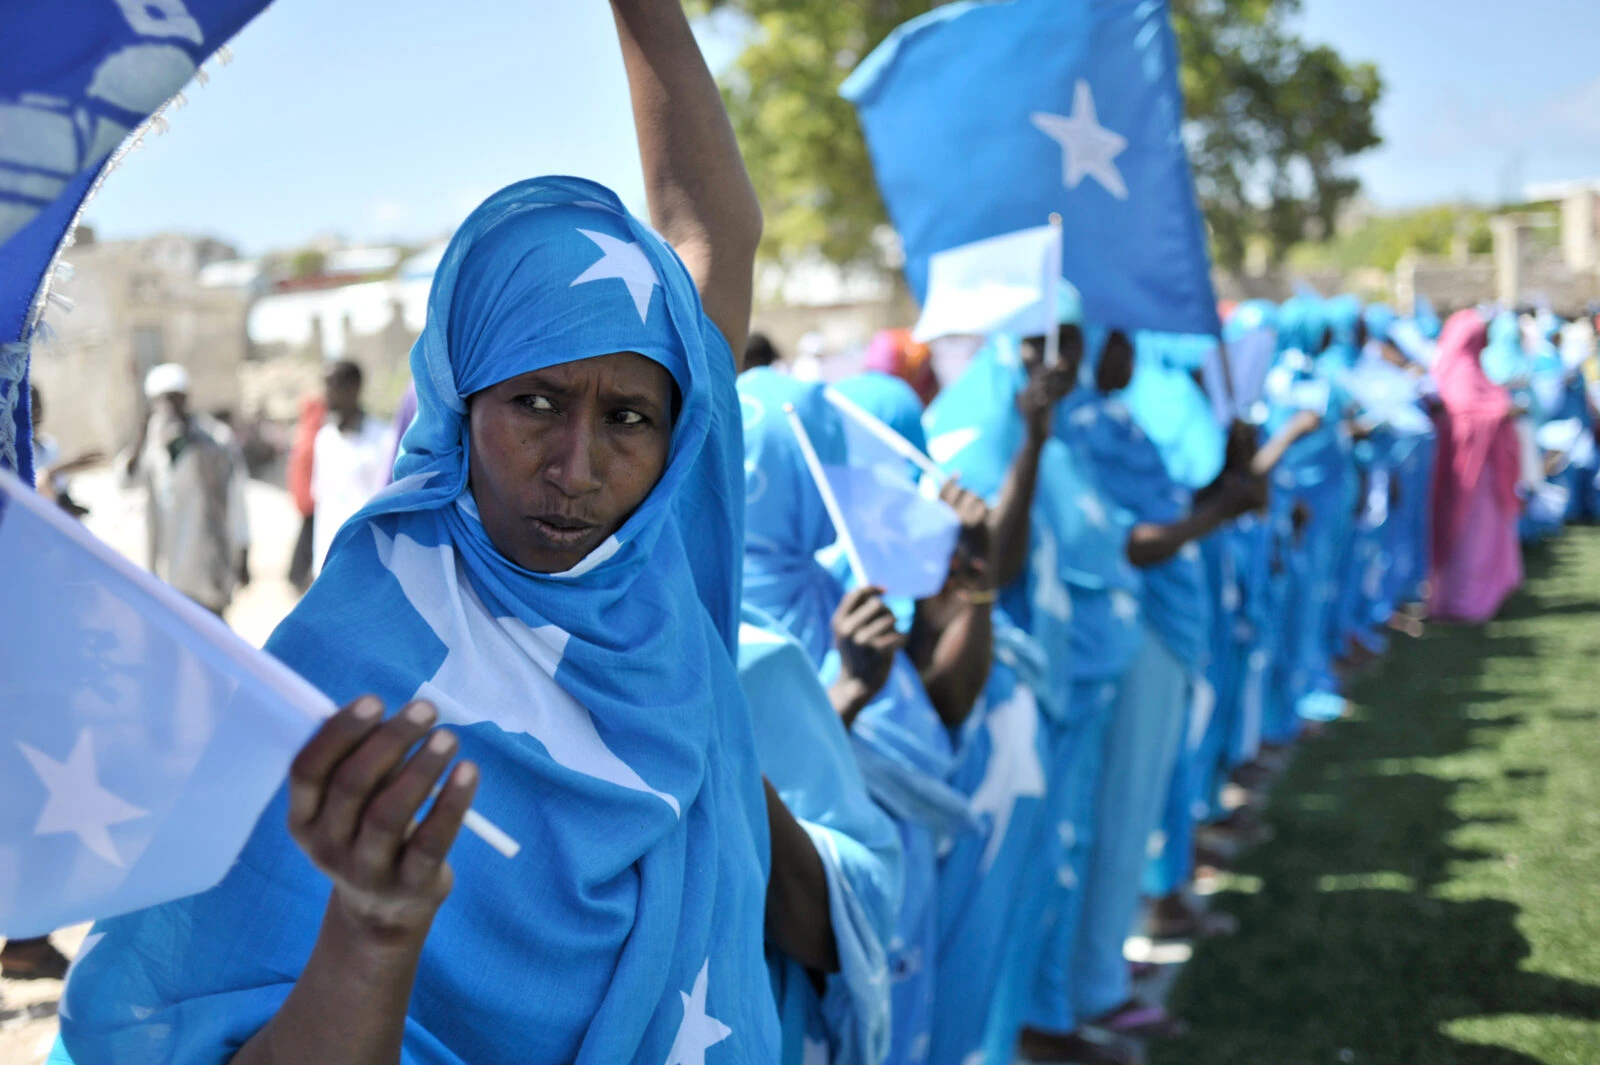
column 1271, row 121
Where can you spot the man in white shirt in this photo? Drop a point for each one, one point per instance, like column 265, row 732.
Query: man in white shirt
column 350, row 458
column 194, row 477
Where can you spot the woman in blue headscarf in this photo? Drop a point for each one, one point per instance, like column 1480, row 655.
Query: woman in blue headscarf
column 805, row 754
column 1073, row 591
column 555, row 573
column 1141, row 745
column 900, row 738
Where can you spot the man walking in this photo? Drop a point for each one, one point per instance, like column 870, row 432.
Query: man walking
column 194, row 479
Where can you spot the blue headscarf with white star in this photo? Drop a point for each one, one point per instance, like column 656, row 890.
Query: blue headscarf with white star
column 602, row 704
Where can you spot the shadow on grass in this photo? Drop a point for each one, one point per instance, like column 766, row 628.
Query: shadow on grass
column 1349, row 952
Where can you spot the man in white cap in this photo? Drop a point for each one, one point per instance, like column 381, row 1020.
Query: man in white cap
column 194, row 480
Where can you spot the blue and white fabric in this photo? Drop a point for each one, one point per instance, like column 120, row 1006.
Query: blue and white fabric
column 1005, row 751
column 1172, row 410
column 75, row 80
column 122, row 704
column 805, row 752
column 602, row 705
column 1128, row 469
column 902, row 747
column 983, row 119
column 1079, row 590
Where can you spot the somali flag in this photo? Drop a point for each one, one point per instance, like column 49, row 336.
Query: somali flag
column 140, row 739
column 986, row 118
column 75, row 81
column 903, row 538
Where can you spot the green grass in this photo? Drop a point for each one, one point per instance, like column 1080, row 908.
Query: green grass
column 1432, row 893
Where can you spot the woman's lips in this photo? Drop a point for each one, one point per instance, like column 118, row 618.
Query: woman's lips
column 559, row 532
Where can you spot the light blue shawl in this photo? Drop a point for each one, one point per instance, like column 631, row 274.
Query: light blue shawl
column 805, row 753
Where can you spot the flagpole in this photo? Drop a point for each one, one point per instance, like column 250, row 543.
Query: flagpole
column 829, row 501
column 1052, row 290
column 876, row 426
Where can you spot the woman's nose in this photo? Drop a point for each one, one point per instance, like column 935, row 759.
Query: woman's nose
column 572, row 468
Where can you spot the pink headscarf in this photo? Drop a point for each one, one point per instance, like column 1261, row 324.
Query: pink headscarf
column 893, row 352
column 1475, row 432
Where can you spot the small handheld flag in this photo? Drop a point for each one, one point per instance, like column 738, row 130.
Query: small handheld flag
column 858, row 569
column 140, row 738
column 881, row 432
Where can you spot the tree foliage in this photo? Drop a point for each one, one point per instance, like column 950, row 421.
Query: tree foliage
column 1382, row 241
column 1272, row 119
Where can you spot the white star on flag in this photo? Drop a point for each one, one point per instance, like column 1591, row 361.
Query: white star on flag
column 1014, row 770
column 699, row 1031
column 876, row 530
column 499, row 669
column 1088, row 149
column 1093, row 509
column 1124, row 607
column 77, row 802
column 623, row 261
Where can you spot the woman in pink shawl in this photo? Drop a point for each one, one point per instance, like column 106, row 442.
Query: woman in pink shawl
column 1476, row 559
column 893, row 352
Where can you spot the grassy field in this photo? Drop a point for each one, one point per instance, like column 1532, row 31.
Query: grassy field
column 1432, row 893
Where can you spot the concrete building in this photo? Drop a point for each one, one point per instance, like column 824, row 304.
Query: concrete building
column 137, row 303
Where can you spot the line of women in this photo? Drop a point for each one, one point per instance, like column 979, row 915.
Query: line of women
column 770, row 812
column 1152, row 606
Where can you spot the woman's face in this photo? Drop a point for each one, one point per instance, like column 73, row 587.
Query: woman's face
column 561, row 457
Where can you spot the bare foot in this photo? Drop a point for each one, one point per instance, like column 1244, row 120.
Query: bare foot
column 1407, row 624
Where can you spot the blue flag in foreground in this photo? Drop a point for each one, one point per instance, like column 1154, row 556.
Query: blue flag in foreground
column 75, row 79
column 984, row 118
column 139, row 738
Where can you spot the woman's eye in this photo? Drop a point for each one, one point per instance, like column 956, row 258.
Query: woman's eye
column 541, row 403
column 630, row 417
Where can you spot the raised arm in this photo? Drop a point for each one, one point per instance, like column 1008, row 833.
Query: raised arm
column 700, row 196
column 1010, row 520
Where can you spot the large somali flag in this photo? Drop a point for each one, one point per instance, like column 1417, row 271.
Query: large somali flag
column 76, row 79
column 986, row 118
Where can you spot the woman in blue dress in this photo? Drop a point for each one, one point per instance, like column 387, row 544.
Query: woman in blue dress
column 899, row 733
column 554, row 572
column 1142, row 741
column 840, row 1012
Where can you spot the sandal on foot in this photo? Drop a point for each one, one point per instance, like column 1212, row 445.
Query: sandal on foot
column 1137, row 1019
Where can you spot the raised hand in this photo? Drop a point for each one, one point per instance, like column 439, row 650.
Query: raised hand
column 970, row 569
column 354, row 791
column 866, row 634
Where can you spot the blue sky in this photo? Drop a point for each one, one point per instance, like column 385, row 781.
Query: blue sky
column 381, row 119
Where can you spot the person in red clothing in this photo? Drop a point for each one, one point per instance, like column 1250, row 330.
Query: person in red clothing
column 313, row 411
